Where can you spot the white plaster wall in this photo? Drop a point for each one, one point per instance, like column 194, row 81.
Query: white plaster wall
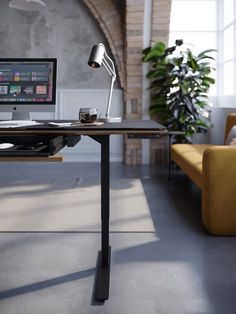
column 69, row 103
column 215, row 135
column 218, row 117
column 62, row 29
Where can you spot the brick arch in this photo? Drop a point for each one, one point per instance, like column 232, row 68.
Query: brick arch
column 122, row 22
column 110, row 21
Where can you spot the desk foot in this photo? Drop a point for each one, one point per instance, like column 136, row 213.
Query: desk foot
column 102, row 278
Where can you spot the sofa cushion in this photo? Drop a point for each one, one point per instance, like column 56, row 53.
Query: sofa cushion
column 189, row 158
column 231, row 137
column 230, row 122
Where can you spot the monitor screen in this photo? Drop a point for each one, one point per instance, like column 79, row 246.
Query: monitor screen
column 27, row 85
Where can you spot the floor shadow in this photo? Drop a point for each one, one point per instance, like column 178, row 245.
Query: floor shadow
column 176, row 199
column 175, row 208
column 181, row 238
column 46, row 283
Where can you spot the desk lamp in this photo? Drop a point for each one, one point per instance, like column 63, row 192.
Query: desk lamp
column 98, row 56
column 27, row 5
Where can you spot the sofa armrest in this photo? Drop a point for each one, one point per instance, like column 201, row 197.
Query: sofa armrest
column 219, row 190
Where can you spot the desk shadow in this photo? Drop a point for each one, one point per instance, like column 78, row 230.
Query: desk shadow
column 40, row 178
column 181, row 239
column 46, row 283
column 177, row 200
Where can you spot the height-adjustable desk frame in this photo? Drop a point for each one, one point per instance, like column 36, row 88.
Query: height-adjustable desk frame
column 101, row 134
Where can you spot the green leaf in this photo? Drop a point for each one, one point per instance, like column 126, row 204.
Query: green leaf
column 152, row 55
column 201, row 104
column 179, row 87
column 159, row 46
column 146, row 50
column 205, row 51
column 209, row 79
column 155, row 73
column 205, row 57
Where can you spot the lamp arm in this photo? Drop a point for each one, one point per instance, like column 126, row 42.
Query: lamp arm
column 109, row 97
column 107, row 67
column 98, row 56
column 112, row 67
column 111, row 70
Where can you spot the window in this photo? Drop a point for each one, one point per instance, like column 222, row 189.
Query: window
column 194, row 21
column 227, row 55
column 206, row 24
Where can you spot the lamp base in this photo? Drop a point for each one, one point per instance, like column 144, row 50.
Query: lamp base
column 110, row 120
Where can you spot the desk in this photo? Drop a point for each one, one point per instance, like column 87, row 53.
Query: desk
column 100, row 134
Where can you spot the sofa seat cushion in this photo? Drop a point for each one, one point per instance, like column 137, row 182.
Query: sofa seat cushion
column 189, row 158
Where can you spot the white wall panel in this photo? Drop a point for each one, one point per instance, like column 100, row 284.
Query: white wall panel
column 69, row 103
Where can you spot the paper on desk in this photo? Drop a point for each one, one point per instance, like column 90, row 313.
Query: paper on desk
column 17, row 123
column 70, row 124
column 63, row 124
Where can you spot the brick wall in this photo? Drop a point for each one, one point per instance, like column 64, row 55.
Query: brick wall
column 160, row 20
column 134, row 18
column 123, row 25
column 160, row 32
column 110, row 20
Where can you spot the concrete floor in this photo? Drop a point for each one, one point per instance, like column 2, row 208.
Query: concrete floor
column 178, row 269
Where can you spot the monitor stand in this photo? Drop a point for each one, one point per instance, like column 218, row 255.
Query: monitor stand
column 21, row 115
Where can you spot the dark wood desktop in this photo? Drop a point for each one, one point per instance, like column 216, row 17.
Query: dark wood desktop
column 70, row 136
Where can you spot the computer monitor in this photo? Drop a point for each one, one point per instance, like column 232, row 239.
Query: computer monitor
column 27, row 85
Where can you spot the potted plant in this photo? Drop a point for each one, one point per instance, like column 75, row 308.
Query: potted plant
column 180, row 83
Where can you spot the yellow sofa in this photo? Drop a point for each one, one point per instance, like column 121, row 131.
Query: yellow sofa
column 213, row 169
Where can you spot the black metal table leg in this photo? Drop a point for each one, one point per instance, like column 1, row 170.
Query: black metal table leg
column 169, row 156
column 103, row 263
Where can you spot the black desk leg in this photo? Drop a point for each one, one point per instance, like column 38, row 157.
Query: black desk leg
column 169, row 157
column 103, row 263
